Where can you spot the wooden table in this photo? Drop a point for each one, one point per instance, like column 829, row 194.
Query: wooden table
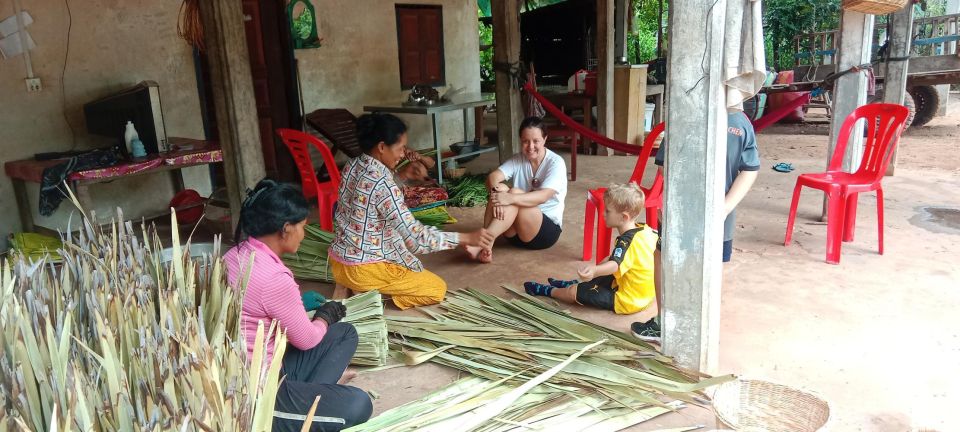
column 188, row 152
column 463, row 102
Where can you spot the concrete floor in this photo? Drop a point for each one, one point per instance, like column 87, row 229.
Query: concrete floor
column 873, row 335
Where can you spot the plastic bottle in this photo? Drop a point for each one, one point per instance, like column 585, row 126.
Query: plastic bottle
column 136, row 148
column 129, row 135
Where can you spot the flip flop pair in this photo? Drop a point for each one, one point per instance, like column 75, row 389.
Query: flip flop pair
column 783, row 167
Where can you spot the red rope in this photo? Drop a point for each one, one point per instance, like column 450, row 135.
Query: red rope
column 577, row 126
column 758, row 124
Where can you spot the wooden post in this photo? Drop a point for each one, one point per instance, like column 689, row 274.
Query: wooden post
column 604, row 42
column 506, row 51
column 236, row 109
column 895, row 76
column 953, row 7
column 694, row 170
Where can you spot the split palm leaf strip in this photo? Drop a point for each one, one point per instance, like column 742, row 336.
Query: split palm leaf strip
column 496, row 338
column 117, row 339
column 433, row 216
column 365, row 312
column 478, row 404
column 311, row 261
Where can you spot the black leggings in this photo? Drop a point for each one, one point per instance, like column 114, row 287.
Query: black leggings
column 315, row 372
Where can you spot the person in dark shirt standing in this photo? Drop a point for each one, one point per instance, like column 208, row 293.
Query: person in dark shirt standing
column 742, row 168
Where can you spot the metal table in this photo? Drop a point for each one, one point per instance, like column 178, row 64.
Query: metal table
column 463, row 102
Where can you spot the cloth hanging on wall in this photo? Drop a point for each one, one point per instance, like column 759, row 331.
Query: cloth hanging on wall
column 744, row 60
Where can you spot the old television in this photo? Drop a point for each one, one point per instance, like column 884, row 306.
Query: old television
column 140, row 104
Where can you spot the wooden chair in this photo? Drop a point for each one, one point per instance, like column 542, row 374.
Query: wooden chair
column 339, row 127
column 558, row 134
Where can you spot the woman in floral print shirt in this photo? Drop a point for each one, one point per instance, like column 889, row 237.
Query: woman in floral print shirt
column 375, row 235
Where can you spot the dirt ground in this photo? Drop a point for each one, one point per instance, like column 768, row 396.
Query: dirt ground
column 876, row 336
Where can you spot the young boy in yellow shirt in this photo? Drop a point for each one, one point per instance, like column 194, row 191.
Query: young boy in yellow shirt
column 624, row 281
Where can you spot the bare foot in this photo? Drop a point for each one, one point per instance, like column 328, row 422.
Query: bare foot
column 348, row 375
column 473, row 251
column 485, row 256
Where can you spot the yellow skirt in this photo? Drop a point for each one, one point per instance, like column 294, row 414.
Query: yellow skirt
column 408, row 288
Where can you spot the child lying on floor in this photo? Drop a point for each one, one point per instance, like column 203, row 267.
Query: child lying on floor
column 417, row 171
column 624, row 281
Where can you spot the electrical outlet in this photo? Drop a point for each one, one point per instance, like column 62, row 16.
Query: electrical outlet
column 33, row 85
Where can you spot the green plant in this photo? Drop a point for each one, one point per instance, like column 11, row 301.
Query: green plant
column 469, row 191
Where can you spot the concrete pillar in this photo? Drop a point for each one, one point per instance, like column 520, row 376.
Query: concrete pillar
column 895, row 78
column 506, row 51
column 621, row 14
column 694, row 170
column 236, row 108
column 605, row 24
column 850, row 90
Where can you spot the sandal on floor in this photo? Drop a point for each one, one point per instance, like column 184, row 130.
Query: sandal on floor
column 783, row 167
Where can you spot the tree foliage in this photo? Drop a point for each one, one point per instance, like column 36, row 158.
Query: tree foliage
column 642, row 39
column 785, row 19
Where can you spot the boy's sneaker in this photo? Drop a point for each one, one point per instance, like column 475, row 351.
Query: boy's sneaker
column 647, row 331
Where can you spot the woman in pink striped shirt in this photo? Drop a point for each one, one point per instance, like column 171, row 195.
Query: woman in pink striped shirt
column 314, row 364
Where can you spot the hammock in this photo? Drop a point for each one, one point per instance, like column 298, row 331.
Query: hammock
column 779, row 113
column 581, row 129
column 758, row 124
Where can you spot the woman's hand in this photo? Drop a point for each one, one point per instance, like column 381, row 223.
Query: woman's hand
column 498, row 212
column 480, row 237
column 331, row 312
column 587, row 273
column 500, row 187
column 411, row 155
column 502, row 198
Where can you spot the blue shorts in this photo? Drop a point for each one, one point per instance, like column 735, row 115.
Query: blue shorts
column 727, row 245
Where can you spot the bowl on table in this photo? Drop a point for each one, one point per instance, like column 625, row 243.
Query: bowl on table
column 465, row 147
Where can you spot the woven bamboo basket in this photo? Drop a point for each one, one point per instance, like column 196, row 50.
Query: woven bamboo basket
column 754, row 406
column 454, row 173
column 874, row 7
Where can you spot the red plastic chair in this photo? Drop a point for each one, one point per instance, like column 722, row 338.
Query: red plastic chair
column 884, row 124
column 325, row 192
column 653, row 201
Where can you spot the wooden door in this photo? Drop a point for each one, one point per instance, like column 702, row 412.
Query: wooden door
column 269, row 66
column 420, row 37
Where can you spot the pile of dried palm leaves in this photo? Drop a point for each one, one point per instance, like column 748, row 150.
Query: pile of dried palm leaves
column 508, row 344
column 116, row 339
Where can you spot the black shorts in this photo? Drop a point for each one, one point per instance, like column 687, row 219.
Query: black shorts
column 597, row 292
column 547, row 236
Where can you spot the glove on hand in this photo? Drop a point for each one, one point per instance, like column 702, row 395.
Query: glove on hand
column 312, row 300
column 331, row 312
